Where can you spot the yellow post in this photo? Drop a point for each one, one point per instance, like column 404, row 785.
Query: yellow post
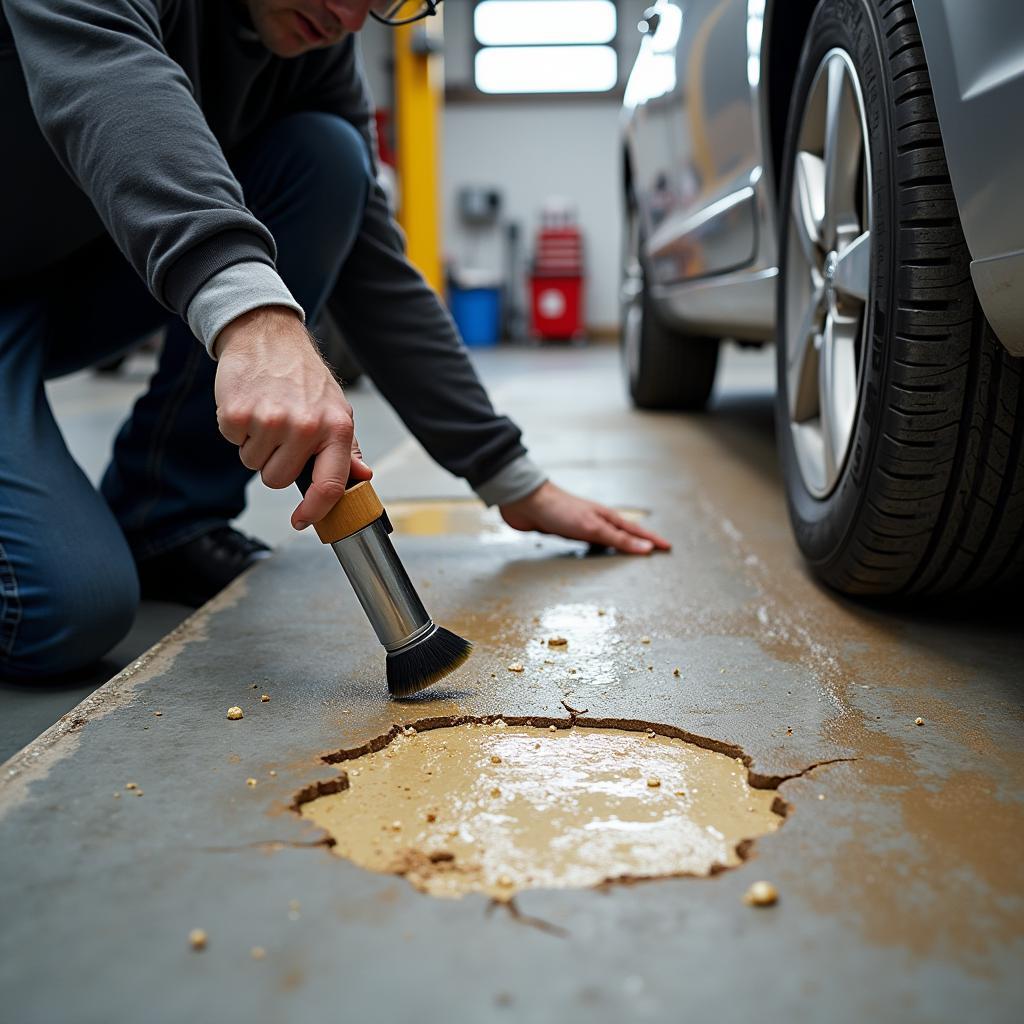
column 419, row 93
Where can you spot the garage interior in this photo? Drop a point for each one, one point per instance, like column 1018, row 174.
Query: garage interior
column 162, row 861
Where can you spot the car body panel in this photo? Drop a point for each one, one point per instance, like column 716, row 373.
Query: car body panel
column 701, row 189
column 975, row 54
column 696, row 122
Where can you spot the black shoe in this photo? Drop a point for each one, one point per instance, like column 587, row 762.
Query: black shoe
column 193, row 572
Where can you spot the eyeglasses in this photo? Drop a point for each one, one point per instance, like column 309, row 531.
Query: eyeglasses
column 404, row 12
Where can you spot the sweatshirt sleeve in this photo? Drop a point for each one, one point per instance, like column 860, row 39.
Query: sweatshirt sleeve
column 402, row 334
column 121, row 117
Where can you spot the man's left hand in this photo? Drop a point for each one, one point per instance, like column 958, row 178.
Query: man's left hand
column 549, row 509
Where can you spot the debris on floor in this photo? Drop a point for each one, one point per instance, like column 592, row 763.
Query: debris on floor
column 761, row 894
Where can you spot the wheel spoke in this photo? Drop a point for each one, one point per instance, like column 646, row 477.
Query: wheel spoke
column 837, row 389
column 853, row 270
column 843, row 145
column 809, row 204
column 802, row 361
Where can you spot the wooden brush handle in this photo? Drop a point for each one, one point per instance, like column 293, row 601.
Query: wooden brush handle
column 358, row 507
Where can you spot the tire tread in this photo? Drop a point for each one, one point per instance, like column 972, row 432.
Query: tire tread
column 944, row 508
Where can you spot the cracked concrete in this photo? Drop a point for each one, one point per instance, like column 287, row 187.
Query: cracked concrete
column 507, row 805
column 902, row 891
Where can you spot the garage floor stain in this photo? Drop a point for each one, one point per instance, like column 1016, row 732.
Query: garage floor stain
column 498, row 808
column 434, row 518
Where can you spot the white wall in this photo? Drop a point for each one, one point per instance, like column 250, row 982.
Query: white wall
column 533, row 149
column 530, row 150
column 375, row 42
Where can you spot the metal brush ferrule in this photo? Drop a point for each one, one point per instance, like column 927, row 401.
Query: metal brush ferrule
column 383, row 586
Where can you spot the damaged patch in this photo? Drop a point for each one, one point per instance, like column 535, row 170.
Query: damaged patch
column 501, row 805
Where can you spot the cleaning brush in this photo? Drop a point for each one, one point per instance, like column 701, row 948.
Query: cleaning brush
column 419, row 652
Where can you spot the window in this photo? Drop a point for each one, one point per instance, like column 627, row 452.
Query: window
column 556, row 46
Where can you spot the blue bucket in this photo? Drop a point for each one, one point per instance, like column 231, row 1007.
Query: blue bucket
column 477, row 314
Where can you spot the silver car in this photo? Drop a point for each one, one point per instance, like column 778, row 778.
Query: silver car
column 843, row 177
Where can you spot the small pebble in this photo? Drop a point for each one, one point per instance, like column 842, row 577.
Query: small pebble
column 197, row 939
column 138, row 792
column 495, row 792
column 676, row 673
column 645, row 639
column 235, row 713
column 516, row 666
column 552, row 728
column 431, row 817
column 601, row 611
column 918, row 721
column 505, row 882
column 272, row 773
column 654, row 782
column 761, row 894
column 250, row 782
column 495, row 759
column 130, row 785
column 158, row 714
column 117, row 796
column 558, row 641
column 257, row 952
column 264, row 697
column 396, row 826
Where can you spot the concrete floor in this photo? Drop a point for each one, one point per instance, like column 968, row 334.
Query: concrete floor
column 902, row 893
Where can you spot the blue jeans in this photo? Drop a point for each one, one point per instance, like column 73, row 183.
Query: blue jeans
column 68, row 583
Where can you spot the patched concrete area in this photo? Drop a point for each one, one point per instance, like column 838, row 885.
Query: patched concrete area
column 498, row 807
column 901, row 890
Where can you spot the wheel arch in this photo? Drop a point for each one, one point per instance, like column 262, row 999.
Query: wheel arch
column 786, row 27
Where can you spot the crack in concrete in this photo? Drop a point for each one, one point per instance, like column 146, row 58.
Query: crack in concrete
column 325, row 842
column 756, row 780
column 778, row 780
column 529, row 920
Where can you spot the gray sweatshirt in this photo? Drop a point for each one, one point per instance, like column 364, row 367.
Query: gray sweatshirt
column 120, row 116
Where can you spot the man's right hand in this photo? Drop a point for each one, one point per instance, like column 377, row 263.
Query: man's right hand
column 279, row 402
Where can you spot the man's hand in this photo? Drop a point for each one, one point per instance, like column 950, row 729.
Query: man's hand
column 279, row 402
column 549, row 509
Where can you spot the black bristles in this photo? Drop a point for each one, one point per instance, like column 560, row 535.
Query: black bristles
column 421, row 665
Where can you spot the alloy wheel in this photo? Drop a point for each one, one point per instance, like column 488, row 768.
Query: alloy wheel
column 828, row 273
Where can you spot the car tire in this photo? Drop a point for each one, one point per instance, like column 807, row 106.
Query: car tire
column 924, row 409
column 664, row 369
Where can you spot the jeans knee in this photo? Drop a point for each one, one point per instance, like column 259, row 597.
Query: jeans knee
column 73, row 622
column 335, row 161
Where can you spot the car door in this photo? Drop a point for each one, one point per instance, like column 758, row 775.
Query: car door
column 695, row 143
